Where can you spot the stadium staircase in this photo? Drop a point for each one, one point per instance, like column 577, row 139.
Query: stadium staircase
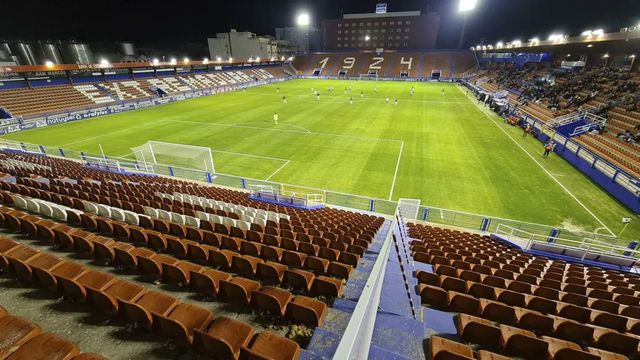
column 106, row 92
column 5, row 114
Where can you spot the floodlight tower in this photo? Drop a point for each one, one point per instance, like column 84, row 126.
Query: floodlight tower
column 464, row 8
column 304, row 20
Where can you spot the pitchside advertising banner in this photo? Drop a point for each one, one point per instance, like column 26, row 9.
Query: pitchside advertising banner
column 114, row 109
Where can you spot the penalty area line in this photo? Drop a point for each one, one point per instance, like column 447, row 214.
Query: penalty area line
column 395, row 174
column 278, row 170
column 484, row 112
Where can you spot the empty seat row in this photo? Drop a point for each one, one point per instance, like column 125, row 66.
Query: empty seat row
column 184, row 323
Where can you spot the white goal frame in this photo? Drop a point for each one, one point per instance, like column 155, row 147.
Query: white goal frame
column 209, row 165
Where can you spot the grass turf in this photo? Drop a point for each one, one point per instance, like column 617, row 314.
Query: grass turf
column 441, row 148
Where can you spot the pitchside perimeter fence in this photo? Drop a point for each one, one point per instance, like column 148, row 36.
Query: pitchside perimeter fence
column 427, row 214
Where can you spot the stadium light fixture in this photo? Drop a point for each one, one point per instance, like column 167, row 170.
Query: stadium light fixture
column 219, row 59
column 590, row 45
column 272, row 59
column 598, row 32
column 155, row 62
column 185, row 60
column 499, row 45
column 258, row 59
column 173, row 61
column 290, row 58
column 230, row 60
column 472, row 48
column 556, row 37
column 516, row 43
column 490, row 47
column 104, row 63
column 534, row 41
column 605, row 56
column 205, row 61
column 282, row 58
column 587, row 33
column 467, row 5
column 367, row 38
column 48, row 64
column 303, row 19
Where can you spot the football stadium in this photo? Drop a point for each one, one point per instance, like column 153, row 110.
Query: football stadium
column 394, row 181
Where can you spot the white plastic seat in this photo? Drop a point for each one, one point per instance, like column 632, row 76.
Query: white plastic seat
column 90, row 207
column 216, row 219
column 228, row 221
column 46, row 210
column 59, row 213
column 104, row 210
column 177, row 218
column 152, row 212
column 164, row 215
column 243, row 225
column 130, row 217
column 30, row 204
column 117, row 214
column 259, row 221
column 191, row 221
column 202, row 215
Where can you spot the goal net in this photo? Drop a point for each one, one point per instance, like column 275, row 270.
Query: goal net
column 175, row 155
column 371, row 75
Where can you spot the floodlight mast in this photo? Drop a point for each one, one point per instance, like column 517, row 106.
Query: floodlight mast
column 465, row 7
column 304, row 20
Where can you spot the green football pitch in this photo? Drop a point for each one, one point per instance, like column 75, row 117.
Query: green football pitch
column 438, row 145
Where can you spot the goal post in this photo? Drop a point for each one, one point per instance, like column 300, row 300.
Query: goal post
column 175, row 155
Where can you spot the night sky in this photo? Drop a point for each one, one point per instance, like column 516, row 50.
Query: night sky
column 177, row 22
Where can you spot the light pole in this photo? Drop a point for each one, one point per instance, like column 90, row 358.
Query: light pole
column 303, row 20
column 465, row 7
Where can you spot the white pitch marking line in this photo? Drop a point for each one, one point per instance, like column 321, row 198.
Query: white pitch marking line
column 544, row 169
column 281, row 130
column 243, row 154
column 111, row 133
column 395, row 174
column 278, row 170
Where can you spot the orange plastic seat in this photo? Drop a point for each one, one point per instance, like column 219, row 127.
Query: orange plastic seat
column 179, row 273
column 140, row 310
column 444, row 349
column 207, row 281
column 238, row 289
column 271, row 299
column 223, row 339
column 306, row 310
column 107, row 298
column 46, row 347
column 522, row 343
column 478, row 330
column 267, row 345
column 181, row 321
column 14, row 332
column 299, row 279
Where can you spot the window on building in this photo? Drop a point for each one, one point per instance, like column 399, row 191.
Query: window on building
column 376, row 23
column 407, row 30
column 368, row 24
column 339, row 31
column 406, row 36
column 384, row 30
column 346, row 25
column 405, row 44
column 408, row 22
column 391, row 23
column 384, row 23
